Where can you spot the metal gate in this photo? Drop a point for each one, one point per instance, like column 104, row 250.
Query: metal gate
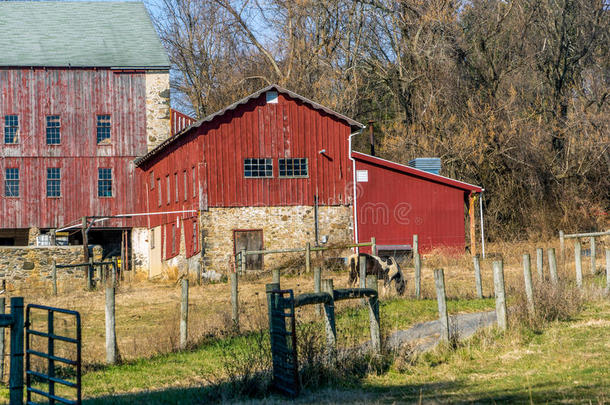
column 58, row 365
column 283, row 340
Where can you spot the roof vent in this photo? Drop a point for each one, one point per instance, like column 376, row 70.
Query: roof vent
column 430, row 165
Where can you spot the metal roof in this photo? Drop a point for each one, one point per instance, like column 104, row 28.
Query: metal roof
column 79, row 34
column 416, row 172
column 245, row 100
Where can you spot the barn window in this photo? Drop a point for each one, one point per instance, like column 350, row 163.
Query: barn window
column 152, row 238
column 185, row 184
column 11, row 182
column 103, row 129
column 169, row 190
column 294, row 167
column 159, row 192
column 176, row 184
column 53, row 130
column 104, row 182
column 194, row 236
column 194, row 183
column 258, row 167
column 152, row 180
column 11, row 129
column 173, row 238
column 53, row 182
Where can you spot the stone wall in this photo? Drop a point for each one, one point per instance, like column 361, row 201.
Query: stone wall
column 283, row 227
column 157, row 107
column 31, row 265
column 140, row 246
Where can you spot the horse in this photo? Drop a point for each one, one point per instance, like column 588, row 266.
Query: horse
column 387, row 270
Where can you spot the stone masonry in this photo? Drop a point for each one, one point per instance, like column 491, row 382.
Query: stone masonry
column 157, row 108
column 283, row 227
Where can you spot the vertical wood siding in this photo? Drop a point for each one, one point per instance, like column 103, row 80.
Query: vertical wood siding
column 78, row 96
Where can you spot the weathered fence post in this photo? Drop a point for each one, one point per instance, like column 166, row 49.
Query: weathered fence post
column 578, row 263
column 500, row 294
column 608, row 270
column 415, row 245
column 308, row 258
column 115, row 269
column 242, row 261
column 371, row 282
column 2, row 333
column 16, row 363
column 540, row 263
column 90, row 274
column 593, row 253
column 184, row 314
column 317, row 276
column 562, row 251
column 111, row 345
column 417, row 264
column 373, row 246
column 234, row 301
column 553, row 266
column 275, row 276
column 529, row 289
column 441, row 299
column 477, row 276
column 53, row 278
column 329, row 321
column 362, row 275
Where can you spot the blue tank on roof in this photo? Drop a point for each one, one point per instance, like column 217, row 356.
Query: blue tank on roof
column 430, row 165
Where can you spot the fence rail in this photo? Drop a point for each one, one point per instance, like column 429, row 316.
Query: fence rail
column 586, row 235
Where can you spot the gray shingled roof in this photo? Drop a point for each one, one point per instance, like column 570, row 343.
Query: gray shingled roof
column 79, row 34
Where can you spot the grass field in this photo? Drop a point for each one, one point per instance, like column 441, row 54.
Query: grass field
column 505, row 368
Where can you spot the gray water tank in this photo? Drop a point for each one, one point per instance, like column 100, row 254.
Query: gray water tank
column 430, row 165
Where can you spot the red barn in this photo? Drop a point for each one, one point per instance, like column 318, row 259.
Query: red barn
column 84, row 90
column 254, row 171
column 395, row 202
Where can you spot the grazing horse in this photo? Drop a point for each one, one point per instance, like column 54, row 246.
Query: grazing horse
column 387, row 270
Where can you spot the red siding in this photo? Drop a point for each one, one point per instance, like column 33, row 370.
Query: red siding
column 393, row 206
column 256, row 129
column 179, row 121
column 78, row 96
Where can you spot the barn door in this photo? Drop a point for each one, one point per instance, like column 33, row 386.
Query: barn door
column 250, row 240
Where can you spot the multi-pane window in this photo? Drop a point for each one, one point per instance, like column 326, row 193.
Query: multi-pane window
column 11, row 129
column 53, row 130
column 195, row 236
column 152, row 180
column 53, row 182
column 294, row 167
column 159, row 192
column 173, row 238
column 11, row 182
column 104, row 182
column 103, row 129
column 258, row 167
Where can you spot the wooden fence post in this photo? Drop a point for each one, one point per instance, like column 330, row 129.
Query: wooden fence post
column 441, row 299
column 608, row 270
column 578, row 263
column 415, row 245
column 90, row 274
column 184, row 314
column 234, row 301
column 115, row 269
column 111, row 345
column 529, row 289
column 371, row 282
column 373, row 246
column 593, row 253
column 540, row 263
column 2, row 333
column 16, row 363
column 562, row 251
column 500, row 294
column 417, row 264
column 317, row 277
column 477, row 276
column 362, row 275
column 308, row 258
column 553, row 266
column 53, row 278
column 275, row 276
column 329, row 321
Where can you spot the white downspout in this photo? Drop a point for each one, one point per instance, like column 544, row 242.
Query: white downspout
column 354, row 187
column 482, row 228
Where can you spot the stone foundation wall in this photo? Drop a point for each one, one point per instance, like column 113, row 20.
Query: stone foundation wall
column 140, row 246
column 283, row 227
column 31, row 265
column 157, row 108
